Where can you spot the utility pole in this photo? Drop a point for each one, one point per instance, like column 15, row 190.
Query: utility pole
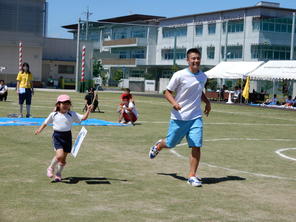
column 88, row 13
column 77, row 57
column 292, row 37
column 175, row 46
column 226, row 40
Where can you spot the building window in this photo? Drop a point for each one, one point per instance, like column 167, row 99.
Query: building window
column 123, row 55
column 120, row 35
column 272, row 25
column 93, row 35
column 136, row 73
column 234, row 26
column 212, row 29
column 172, row 32
column 211, row 52
column 274, row 52
column 66, row 69
column 138, row 34
column 168, row 54
column 138, row 54
column 233, row 52
column 198, row 30
column 106, row 35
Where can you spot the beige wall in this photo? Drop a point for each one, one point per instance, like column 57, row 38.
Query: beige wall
column 50, row 68
column 9, row 59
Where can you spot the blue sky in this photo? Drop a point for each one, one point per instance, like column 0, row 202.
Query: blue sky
column 65, row 12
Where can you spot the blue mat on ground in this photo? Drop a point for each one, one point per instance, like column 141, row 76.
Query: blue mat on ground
column 5, row 121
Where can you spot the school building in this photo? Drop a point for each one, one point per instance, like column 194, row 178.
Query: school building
column 145, row 47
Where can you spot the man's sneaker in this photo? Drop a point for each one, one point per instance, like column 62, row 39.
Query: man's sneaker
column 153, row 150
column 194, row 181
column 50, row 172
column 58, row 178
column 28, row 116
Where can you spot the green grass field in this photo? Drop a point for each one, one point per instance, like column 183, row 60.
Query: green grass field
column 112, row 179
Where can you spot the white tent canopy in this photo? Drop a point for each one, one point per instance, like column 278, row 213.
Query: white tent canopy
column 276, row 69
column 232, row 70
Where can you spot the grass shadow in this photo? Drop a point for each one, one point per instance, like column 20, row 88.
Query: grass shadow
column 89, row 180
column 206, row 180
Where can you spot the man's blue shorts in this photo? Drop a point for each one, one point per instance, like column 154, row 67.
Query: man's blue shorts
column 178, row 129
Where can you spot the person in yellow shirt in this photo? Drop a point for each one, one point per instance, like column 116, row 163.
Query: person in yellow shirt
column 24, row 88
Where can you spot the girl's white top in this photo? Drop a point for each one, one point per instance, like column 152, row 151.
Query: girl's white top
column 132, row 106
column 62, row 122
column 188, row 88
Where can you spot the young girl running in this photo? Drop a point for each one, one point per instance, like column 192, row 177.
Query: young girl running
column 62, row 120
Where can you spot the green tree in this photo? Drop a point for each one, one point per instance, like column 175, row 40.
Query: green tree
column 98, row 70
column 117, row 75
column 175, row 68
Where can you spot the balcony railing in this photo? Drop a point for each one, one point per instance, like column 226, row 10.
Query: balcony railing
column 125, row 42
column 127, row 62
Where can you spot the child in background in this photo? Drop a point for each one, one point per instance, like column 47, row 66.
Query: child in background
column 289, row 101
column 128, row 112
column 62, row 120
column 3, row 91
column 127, row 95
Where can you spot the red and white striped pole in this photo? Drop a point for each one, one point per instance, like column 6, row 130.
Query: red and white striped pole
column 20, row 55
column 83, row 64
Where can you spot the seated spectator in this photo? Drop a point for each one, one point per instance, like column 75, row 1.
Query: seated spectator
column 50, row 81
column 294, row 101
column 272, row 101
column 289, row 101
column 3, row 91
column 91, row 98
column 237, row 94
column 127, row 112
column 222, row 91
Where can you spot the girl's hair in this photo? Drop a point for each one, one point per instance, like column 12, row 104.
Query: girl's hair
column 25, row 64
column 57, row 106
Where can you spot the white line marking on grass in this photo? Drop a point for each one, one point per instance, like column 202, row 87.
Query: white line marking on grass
column 235, row 170
column 240, row 124
column 240, row 139
column 252, row 115
column 177, row 154
column 279, row 152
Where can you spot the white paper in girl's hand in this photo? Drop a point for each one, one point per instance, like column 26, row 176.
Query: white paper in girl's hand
column 78, row 141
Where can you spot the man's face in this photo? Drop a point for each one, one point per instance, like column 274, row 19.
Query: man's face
column 193, row 60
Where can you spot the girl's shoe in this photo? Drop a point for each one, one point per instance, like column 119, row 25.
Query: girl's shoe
column 50, row 172
column 58, row 178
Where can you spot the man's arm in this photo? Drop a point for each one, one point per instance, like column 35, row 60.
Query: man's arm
column 169, row 96
column 208, row 104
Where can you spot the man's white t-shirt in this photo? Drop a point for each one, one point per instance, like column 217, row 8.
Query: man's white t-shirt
column 188, row 88
column 62, row 122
